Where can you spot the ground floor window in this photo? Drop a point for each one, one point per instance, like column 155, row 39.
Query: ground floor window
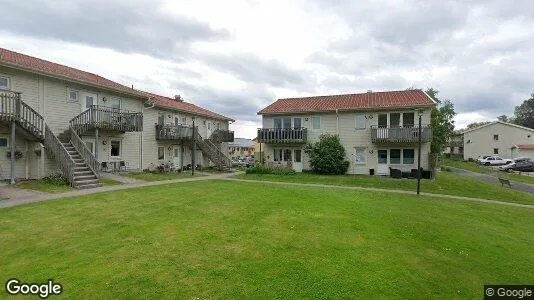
column 495, row 150
column 408, row 156
column 161, row 153
column 298, row 155
column 359, row 157
column 394, row 156
column 115, row 148
column 288, row 154
column 3, row 142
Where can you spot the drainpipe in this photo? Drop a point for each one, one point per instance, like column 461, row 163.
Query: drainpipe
column 97, row 144
column 13, row 152
column 337, row 122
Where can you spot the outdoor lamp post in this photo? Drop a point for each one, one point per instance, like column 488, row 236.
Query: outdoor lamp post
column 193, row 150
column 420, row 114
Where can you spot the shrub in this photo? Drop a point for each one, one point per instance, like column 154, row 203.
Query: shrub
column 327, row 156
column 55, row 179
column 262, row 169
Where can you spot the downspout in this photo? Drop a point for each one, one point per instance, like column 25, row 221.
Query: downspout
column 337, row 122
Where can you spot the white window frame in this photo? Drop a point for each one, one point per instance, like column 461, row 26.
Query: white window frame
column 69, row 99
column 8, row 79
column 402, row 156
column 362, row 117
column 313, row 124
column 115, row 99
column 110, row 147
column 157, row 153
column 363, row 151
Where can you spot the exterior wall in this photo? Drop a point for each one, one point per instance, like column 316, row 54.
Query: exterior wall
column 481, row 142
column 522, row 153
column 344, row 124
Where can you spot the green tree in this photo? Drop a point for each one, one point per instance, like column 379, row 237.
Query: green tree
column 327, row 155
column 441, row 121
column 503, row 118
column 524, row 113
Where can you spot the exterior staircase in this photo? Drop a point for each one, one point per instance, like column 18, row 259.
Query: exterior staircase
column 83, row 176
column 222, row 162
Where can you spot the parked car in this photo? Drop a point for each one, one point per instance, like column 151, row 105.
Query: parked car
column 480, row 159
column 495, row 161
column 523, row 164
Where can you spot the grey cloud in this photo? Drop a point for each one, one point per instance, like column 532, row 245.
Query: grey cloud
column 125, row 26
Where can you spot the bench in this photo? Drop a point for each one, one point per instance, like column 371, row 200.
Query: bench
column 505, row 181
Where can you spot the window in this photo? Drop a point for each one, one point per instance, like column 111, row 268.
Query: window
column 115, row 103
column 176, row 120
column 461, row 150
column 360, row 121
column 360, row 156
column 209, row 125
column 382, row 120
column 298, row 155
column 297, row 123
column 4, row 83
column 73, row 96
column 394, row 156
column 394, row 120
column 161, row 153
column 3, row 142
column 218, row 126
column 287, row 154
column 286, row 122
column 90, row 145
column 184, row 120
column 277, row 123
column 115, row 148
column 495, row 150
column 277, row 154
column 408, row 119
column 495, row 137
column 161, row 119
column 408, row 156
column 316, row 122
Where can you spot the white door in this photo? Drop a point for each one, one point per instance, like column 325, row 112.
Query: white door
column 177, row 156
column 208, row 129
column 297, row 160
column 88, row 99
column 383, row 168
column 90, row 145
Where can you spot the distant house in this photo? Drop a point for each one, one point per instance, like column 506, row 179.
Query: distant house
column 379, row 130
column 241, row 147
column 496, row 138
column 524, row 150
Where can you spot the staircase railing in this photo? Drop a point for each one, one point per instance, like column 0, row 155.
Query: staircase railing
column 216, row 155
column 12, row 108
column 84, row 151
column 56, row 149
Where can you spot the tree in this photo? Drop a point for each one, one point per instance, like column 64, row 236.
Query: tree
column 503, row 118
column 327, row 155
column 476, row 124
column 524, row 113
column 441, row 121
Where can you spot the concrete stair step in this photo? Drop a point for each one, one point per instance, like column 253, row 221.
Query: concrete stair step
column 86, row 181
column 88, row 186
column 85, row 177
column 83, row 173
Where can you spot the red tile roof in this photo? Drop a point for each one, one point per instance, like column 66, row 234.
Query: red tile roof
column 370, row 100
column 525, row 146
column 170, row 103
column 33, row 64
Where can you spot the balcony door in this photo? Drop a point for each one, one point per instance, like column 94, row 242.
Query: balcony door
column 382, row 130
column 88, row 99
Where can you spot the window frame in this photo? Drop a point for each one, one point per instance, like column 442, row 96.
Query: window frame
column 313, row 123
column 157, row 153
column 362, row 116
column 391, row 157
column 8, row 83
column 111, row 148
column 496, row 137
column 69, row 99
column 495, row 150
column 299, row 156
column 364, row 160
column 7, row 141
column 115, row 99
column 413, row 157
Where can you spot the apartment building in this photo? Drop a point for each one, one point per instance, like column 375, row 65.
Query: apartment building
column 54, row 117
column 379, row 130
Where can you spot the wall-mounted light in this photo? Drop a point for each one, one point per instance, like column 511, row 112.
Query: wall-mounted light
column 104, row 142
column 104, row 99
column 371, row 151
column 306, row 119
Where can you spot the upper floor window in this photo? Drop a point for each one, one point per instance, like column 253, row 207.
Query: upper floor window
column 73, row 96
column 495, row 137
column 115, row 103
column 297, row 123
column 184, row 120
column 218, row 125
column 360, row 121
column 408, row 119
column 161, row 119
column 4, row 83
column 316, row 122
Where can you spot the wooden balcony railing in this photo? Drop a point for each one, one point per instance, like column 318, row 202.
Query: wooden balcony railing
column 400, row 134
column 456, row 141
column 173, row 132
column 286, row 135
column 221, row 136
column 84, row 151
column 12, row 108
column 108, row 118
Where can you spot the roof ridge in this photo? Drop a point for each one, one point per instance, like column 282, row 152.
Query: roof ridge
column 347, row 94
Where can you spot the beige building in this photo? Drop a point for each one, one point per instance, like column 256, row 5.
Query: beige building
column 496, row 138
column 379, row 130
column 53, row 117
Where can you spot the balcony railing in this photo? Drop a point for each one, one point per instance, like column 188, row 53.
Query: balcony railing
column 12, row 108
column 108, row 118
column 400, row 134
column 173, row 132
column 221, row 136
column 456, row 141
column 286, row 135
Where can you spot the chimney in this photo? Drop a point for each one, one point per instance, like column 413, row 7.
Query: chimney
column 178, row 98
column 369, row 91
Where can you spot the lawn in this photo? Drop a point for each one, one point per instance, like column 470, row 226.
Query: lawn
column 472, row 166
column 446, row 183
column 54, row 187
column 147, row 176
column 203, row 240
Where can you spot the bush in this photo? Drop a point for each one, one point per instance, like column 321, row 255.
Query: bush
column 327, row 156
column 55, row 179
column 262, row 169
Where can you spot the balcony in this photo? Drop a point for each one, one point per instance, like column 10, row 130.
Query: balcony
column 400, row 134
column 222, row 136
column 107, row 118
column 456, row 141
column 279, row 136
column 173, row 132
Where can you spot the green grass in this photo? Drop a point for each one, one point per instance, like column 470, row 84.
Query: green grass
column 108, row 181
column 147, row 176
column 201, row 240
column 41, row 186
column 474, row 167
column 446, row 183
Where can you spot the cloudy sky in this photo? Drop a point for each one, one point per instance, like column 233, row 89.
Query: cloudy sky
column 237, row 56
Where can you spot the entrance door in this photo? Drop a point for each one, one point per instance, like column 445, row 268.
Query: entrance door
column 383, row 168
column 88, row 99
column 177, row 157
column 297, row 160
column 209, row 130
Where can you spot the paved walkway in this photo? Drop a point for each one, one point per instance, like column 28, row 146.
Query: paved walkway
column 122, row 179
column 525, row 187
column 19, row 196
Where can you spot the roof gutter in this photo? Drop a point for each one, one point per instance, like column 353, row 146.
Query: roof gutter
column 349, row 110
